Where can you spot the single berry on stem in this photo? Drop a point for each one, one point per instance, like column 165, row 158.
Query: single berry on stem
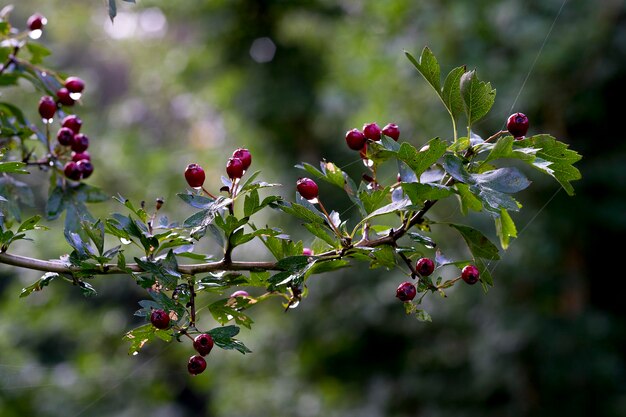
column 72, row 171
column 80, row 143
column 36, row 22
column 244, row 156
column 79, row 156
column 234, row 168
column 425, row 266
column 196, row 365
column 355, row 139
column 73, row 122
column 160, row 319
column 85, row 167
column 63, row 96
column 307, row 188
column 47, row 107
column 392, row 131
column 470, row 274
column 195, row 176
column 307, row 251
column 74, row 85
column 372, row 131
column 203, row 343
column 406, row 292
column 517, row 125
column 65, row 136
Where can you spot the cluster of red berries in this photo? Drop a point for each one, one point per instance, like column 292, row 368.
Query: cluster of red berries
column 235, row 168
column 202, row 343
column 79, row 166
column 357, row 139
column 425, row 267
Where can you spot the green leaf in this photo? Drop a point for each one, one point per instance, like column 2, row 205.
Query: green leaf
column 418, row 161
column 299, row 211
column 223, row 337
column 554, row 158
column 503, row 148
column 142, row 335
column 13, row 167
column 30, row 224
column 225, row 310
column 96, row 234
column 505, row 180
column 467, row 199
column 197, row 201
column 164, row 270
column 373, row 199
column 478, row 97
column 251, row 203
column 423, row 240
column 485, row 276
column 55, row 204
column 418, row 193
column 389, row 208
column 505, row 228
column 321, row 267
column 384, row 256
column 38, row 52
column 44, row 281
column 479, row 244
column 428, row 67
column 322, row 233
column 451, row 94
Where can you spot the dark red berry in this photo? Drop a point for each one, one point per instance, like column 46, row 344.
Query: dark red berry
column 74, row 85
column 72, row 171
column 203, row 343
column 73, row 122
column 234, row 168
column 65, row 136
column 63, row 95
column 517, row 124
column 79, row 156
column 47, row 107
column 195, row 176
column 425, row 266
column 392, row 131
column 245, row 156
column 81, row 143
column 355, row 139
column 85, row 167
column 36, row 22
column 372, row 131
column 470, row 274
column 160, row 319
column 307, row 188
column 196, row 365
column 406, row 292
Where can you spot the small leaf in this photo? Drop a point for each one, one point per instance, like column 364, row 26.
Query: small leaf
column 13, row 167
column 505, row 228
column 479, row 244
column 223, row 338
column 384, row 256
column 418, row 193
column 39, row 284
column 30, row 224
column 505, row 180
column 428, row 67
column 478, row 96
column 451, row 94
column 467, row 199
column 420, row 161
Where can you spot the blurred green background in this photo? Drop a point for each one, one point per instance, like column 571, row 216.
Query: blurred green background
column 177, row 82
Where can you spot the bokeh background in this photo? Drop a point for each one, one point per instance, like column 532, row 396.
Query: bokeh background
column 177, row 82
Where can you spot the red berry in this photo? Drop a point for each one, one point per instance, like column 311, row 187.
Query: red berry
column 80, row 143
column 371, row 131
column 63, row 95
column 234, row 168
column 425, row 266
column 196, row 365
column 203, row 343
column 72, row 171
column 517, row 125
column 245, row 156
column 79, row 156
column 160, row 319
column 73, row 122
column 85, row 167
column 65, row 136
column 355, row 139
column 307, row 251
column 392, row 131
column 406, row 292
column 307, row 188
column 47, row 107
column 36, row 22
column 470, row 274
column 74, row 85
column 194, row 174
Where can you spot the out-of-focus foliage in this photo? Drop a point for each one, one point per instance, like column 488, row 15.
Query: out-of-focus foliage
column 176, row 82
